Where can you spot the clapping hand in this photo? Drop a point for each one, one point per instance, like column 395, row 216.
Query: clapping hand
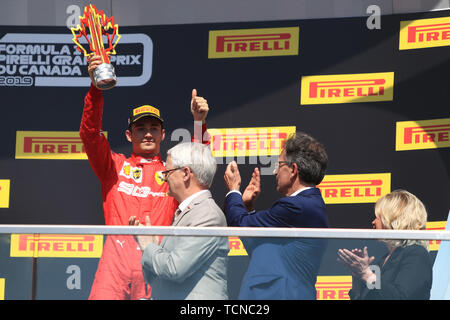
column 252, row 191
column 232, row 177
column 357, row 260
column 143, row 241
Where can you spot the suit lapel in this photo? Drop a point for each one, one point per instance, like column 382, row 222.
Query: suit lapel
column 393, row 259
column 391, row 263
column 177, row 220
column 192, row 204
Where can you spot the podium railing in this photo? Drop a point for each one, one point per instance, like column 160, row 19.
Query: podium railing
column 329, row 233
column 54, row 262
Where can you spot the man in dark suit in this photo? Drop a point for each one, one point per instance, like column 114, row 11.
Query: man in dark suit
column 282, row 268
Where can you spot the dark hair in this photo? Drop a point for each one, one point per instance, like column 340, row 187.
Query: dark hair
column 309, row 155
column 131, row 123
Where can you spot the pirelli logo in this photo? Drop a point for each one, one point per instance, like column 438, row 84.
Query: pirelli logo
column 435, row 225
column 245, row 142
column 424, row 33
column 2, row 288
column 56, row 246
column 333, row 287
column 236, row 247
column 347, row 88
column 424, row 134
column 62, row 145
column 355, row 188
column 4, row 193
column 247, row 43
column 145, row 109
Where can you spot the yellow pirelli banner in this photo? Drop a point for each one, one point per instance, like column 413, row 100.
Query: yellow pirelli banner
column 347, row 88
column 4, row 193
column 51, row 145
column 2, row 288
column 333, row 287
column 355, row 188
column 77, row 246
column 245, row 142
column 246, row 43
column 423, row 134
column 236, row 247
column 435, row 225
column 56, row 246
column 424, row 33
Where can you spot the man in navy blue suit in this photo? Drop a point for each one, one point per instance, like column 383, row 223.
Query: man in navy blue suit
column 282, row 268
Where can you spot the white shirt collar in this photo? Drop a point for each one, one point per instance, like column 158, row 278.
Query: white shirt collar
column 183, row 205
column 299, row 190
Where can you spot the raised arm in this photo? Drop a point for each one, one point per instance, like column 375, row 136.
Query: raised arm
column 95, row 143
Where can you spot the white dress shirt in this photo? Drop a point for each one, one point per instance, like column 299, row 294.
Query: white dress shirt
column 183, row 205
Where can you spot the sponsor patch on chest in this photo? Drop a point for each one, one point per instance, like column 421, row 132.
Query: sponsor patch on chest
column 131, row 172
column 138, row 191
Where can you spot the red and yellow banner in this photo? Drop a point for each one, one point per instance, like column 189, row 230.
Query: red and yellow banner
column 245, row 142
column 347, row 88
column 333, row 287
column 435, row 225
column 77, row 246
column 423, row 134
column 56, row 145
column 56, row 246
column 245, row 43
column 2, row 288
column 4, row 193
column 424, row 33
column 355, row 188
column 236, row 247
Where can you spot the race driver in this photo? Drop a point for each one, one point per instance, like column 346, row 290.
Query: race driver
column 129, row 187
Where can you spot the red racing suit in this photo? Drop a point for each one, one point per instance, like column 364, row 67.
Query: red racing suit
column 129, row 187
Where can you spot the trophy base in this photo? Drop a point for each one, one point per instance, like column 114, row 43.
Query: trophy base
column 105, row 77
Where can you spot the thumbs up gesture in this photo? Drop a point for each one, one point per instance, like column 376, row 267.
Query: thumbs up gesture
column 199, row 107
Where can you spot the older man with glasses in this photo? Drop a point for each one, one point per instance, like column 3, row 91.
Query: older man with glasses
column 188, row 267
column 282, row 268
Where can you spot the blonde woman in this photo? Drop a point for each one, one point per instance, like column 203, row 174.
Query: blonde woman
column 406, row 270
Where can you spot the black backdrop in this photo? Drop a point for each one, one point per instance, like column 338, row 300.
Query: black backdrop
column 360, row 137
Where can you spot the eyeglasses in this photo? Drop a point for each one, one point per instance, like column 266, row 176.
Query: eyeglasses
column 164, row 174
column 279, row 164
